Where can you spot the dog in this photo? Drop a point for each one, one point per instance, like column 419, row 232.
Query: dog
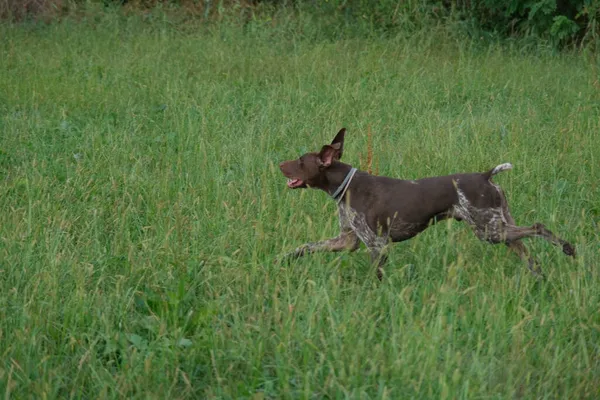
column 377, row 210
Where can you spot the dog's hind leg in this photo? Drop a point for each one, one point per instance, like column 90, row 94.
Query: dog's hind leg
column 519, row 248
column 513, row 233
column 498, row 226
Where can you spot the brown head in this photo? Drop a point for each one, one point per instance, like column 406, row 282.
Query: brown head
column 309, row 170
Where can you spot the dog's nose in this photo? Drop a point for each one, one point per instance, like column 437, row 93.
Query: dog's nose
column 281, row 164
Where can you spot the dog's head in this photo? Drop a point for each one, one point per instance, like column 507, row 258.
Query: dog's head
column 309, row 169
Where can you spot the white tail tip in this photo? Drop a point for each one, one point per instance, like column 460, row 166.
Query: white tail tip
column 501, row 167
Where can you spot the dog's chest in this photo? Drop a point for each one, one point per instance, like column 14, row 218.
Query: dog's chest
column 350, row 218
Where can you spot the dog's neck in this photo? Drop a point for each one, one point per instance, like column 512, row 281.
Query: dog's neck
column 338, row 195
column 334, row 176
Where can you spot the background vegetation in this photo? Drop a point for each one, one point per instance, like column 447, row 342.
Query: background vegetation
column 559, row 22
column 141, row 207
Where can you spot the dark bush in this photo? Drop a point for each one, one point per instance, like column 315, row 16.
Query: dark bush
column 560, row 21
column 21, row 9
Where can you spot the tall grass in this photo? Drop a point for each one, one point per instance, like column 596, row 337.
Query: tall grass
column 141, row 210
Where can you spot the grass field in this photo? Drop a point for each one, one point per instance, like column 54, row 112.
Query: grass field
column 141, row 210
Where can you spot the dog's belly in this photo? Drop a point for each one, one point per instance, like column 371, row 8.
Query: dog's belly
column 388, row 229
column 401, row 230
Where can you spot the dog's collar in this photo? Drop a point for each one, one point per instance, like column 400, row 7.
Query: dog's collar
column 339, row 193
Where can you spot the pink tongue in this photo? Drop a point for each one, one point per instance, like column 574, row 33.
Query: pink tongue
column 293, row 183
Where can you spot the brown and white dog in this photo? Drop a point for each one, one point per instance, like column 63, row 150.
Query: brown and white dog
column 378, row 210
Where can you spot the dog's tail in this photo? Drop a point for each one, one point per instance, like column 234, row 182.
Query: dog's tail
column 497, row 169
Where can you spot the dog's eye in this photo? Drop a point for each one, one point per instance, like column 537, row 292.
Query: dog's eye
column 300, row 162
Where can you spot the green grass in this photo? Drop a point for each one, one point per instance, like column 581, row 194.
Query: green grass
column 141, row 210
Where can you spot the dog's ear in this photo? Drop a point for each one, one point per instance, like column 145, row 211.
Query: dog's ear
column 339, row 139
column 330, row 153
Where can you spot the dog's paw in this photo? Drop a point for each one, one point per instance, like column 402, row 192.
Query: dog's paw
column 569, row 249
column 539, row 227
column 282, row 260
column 536, row 269
column 288, row 257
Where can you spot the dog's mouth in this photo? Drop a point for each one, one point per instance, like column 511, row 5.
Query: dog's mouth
column 295, row 183
column 288, row 172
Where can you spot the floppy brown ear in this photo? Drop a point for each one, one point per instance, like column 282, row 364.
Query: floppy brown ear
column 329, row 153
column 339, row 139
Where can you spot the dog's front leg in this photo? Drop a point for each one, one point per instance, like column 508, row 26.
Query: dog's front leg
column 347, row 240
column 378, row 258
